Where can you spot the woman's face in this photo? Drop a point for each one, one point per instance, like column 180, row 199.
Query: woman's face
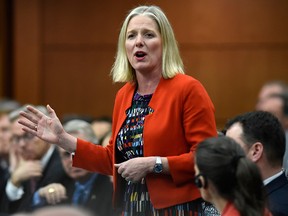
column 144, row 45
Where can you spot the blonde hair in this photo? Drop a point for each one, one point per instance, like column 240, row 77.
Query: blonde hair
column 172, row 64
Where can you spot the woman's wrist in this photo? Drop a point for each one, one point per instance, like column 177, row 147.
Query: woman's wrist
column 68, row 142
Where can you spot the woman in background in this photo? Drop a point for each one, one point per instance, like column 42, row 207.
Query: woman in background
column 228, row 179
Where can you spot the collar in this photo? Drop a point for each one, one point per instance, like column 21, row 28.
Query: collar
column 271, row 178
column 88, row 183
column 47, row 156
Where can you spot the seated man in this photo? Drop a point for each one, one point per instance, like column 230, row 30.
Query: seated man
column 34, row 164
column 92, row 191
column 6, row 106
column 277, row 104
column 263, row 139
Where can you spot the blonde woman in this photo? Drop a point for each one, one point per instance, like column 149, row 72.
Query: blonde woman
column 160, row 115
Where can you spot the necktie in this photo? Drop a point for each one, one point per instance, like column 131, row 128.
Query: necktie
column 33, row 184
column 79, row 195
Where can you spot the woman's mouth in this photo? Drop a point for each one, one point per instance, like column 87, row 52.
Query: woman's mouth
column 140, row 55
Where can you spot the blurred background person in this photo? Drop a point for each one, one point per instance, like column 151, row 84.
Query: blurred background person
column 262, row 137
column 62, row 211
column 91, row 191
column 6, row 106
column 277, row 104
column 5, row 136
column 34, row 163
column 228, row 179
column 268, row 89
column 273, row 97
column 102, row 126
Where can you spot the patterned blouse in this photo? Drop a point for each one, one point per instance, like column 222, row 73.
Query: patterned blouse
column 136, row 201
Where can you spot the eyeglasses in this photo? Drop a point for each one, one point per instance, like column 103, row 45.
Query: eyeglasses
column 26, row 137
column 66, row 155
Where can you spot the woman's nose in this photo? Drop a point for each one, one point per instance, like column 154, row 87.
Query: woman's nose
column 139, row 41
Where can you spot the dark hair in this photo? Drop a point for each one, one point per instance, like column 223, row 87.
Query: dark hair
column 264, row 127
column 236, row 178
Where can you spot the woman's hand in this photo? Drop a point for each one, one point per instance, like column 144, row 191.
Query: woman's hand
column 47, row 128
column 137, row 168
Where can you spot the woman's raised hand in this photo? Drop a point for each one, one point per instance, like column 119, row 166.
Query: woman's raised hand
column 47, row 128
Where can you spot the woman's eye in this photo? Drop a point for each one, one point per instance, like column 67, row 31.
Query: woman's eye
column 130, row 36
column 149, row 35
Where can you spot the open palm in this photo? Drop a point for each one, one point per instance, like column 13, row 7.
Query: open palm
column 47, row 128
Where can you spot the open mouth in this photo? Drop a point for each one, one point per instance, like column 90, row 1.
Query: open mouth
column 140, row 54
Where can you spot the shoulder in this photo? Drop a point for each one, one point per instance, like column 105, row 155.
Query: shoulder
column 128, row 88
column 184, row 82
column 183, row 78
column 230, row 210
column 278, row 185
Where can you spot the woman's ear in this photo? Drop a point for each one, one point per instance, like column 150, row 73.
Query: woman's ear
column 200, row 181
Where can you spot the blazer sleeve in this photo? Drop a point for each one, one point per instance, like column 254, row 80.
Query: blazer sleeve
column 94, row 158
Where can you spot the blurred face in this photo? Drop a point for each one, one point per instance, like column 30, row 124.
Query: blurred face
column 66, row 158
column 101, row 128
column 274, row 105
column 265, row 92
column 5, row 134
column 29, row 146
column 144, row 44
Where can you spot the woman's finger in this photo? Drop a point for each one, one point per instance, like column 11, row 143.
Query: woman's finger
column 28, row 127
column 29, row 117
column 38, row 113
column 51, row 112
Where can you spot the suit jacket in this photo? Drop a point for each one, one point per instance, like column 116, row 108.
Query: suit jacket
column 277, row 194
column 100, row 197
column 183, row 116
column 52, row 173
column 3, row 179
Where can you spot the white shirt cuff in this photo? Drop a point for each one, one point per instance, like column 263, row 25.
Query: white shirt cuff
column 13, row 193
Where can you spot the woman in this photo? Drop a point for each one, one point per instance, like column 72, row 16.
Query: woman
column 159, row 117
column 228, row 179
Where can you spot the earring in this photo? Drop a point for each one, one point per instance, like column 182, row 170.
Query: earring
column 198, row 181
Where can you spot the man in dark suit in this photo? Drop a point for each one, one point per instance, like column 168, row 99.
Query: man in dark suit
column 5, row 136
column 91, row 191
column 34, row 165
column 262, row 137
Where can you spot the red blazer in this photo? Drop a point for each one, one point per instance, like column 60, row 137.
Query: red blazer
column 183, row 116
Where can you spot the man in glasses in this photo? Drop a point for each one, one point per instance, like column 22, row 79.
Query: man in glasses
column 91, row 191
column 34, row 164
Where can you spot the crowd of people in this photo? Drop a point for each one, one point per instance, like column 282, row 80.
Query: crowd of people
column 159, row 154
